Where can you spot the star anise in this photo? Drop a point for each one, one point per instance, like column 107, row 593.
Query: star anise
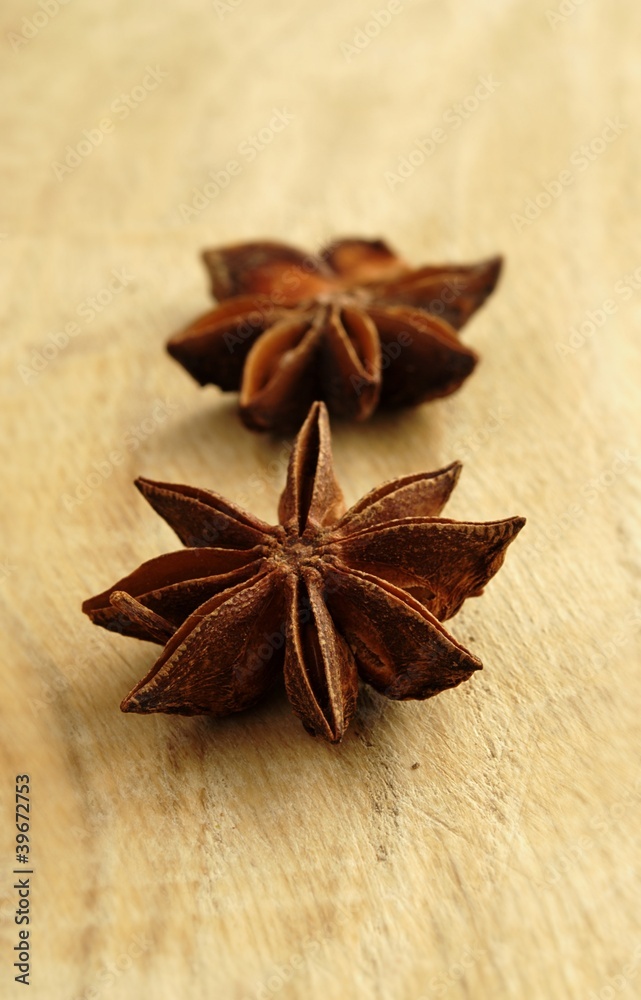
column 353, row 326
column 324, row 596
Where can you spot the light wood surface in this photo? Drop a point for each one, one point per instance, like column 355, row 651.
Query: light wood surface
column 241, row 859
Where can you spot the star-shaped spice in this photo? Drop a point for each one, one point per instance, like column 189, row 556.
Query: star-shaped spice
column 353, row 326
column 325, row 596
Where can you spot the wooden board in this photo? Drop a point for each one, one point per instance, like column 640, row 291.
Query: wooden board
column 241, row 859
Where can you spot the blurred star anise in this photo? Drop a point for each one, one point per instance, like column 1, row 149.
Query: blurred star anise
column 353, row 326
column 324, row 596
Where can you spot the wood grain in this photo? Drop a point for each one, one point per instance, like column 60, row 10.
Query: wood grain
column 241, row 859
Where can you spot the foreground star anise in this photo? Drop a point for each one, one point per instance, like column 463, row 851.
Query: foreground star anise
column 353, row 326
column 324, row 595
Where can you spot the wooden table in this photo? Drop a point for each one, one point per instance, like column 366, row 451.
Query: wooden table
column 242, row 859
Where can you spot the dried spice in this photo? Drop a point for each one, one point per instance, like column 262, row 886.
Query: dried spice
column 353, row 326
column 324, row 596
